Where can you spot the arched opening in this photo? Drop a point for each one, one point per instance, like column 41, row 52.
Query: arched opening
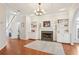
column 76, row 18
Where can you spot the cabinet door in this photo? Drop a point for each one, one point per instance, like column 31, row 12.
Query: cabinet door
column 62, row 35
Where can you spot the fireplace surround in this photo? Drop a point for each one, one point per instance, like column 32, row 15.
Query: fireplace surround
column 47, row 35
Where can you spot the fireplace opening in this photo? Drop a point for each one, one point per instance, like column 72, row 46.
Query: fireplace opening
column 47, row 35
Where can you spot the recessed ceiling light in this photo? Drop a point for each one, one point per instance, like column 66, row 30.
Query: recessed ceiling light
column 16, row 12
column 62, row 9
column 13, row 12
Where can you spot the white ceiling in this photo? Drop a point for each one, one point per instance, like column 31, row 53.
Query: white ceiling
column 28, row 8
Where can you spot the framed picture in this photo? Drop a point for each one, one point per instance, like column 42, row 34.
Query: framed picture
column 33, row 26
column 46, row 23
column 22, row 24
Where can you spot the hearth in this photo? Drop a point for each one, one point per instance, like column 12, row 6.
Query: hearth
column 47, row 35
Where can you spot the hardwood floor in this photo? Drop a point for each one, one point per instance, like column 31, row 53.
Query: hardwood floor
column 69, row 49
column 16, row 47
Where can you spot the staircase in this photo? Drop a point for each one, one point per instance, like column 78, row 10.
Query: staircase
column 9, row 23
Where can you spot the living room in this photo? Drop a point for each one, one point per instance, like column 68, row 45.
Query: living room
column 49, row 28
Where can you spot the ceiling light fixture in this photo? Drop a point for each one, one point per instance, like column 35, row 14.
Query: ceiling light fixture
column 39, row 11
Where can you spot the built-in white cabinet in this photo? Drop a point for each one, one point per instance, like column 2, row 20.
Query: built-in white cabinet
column 63, row 31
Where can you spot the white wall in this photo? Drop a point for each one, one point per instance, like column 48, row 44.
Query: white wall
column 72, row 15
column 75, row 26
column 53, row 19
column 22, row 27
column 68, row 14
column 28, row 27
column 3, row 38
column 18, row 22
column 62, row 35
column 39, row 21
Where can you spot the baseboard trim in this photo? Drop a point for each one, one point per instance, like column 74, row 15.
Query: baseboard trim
column 19, row 39
column 67, row 43
column 33, row 39
column 3, row 47
column 23, row 39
